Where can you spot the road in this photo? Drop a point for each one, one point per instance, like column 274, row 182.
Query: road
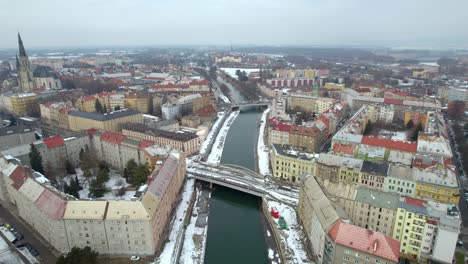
column 29, row 236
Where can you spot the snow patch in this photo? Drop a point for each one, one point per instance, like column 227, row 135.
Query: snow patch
column 218, row 146
column 262, row 150
column 169, row 253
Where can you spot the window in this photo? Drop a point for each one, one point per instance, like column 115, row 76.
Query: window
column 346, row 258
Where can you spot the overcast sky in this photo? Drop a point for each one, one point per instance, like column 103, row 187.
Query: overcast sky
column 61, row 23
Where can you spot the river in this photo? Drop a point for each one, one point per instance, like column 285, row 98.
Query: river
column 235, row 228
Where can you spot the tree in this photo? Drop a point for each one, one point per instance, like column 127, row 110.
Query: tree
column 368, row 128
column 415, row 133
column 35, row 159
column 410, row 124
column 117, row 108
column 103, row 173
column 98, row 106
column 136, row 174
column 69, row 167
column 96, row 189
column 79, row 256
column 73, row 188
column 141, row 174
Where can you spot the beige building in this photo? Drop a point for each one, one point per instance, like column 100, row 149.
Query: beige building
column 186, row 142
column 317, row 215
column 139, row 102
column 116, row 227
column 112, row 121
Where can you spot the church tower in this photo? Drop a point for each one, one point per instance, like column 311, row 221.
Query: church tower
column 25, row 76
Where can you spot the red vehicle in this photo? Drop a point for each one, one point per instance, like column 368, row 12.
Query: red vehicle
column 274, row 212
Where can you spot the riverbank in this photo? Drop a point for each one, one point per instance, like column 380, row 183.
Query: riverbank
column 193, row 251
column 217, row 150
column 263, row 152
column 171, row 250
column 290, row 242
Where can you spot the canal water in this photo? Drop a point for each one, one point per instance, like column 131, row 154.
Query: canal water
column 235, row 229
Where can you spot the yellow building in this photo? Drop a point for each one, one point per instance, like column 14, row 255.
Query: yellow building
column 334, row 86
column 439, row 193
column 79, row 120
column 409, row 227
column 417, row 117
column 137, row 102
column 22, row 104
column 439, row 185
column 288, row 164
column 309, row 73
column 87, row 103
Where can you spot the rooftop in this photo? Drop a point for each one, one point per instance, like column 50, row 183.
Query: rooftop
column 375, row 168
column 338, row 161
column 106, row 116
column 288, row 151
column 142, row 128
column 376, row 198
column 358, row 238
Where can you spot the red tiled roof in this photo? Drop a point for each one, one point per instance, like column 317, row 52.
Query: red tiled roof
column 170, row 86
column 358, row 238
column 51, row 204
column 415, row 202
column 145, row 143
column 205, row 111
column 53, row 142
column 277, row 124
column 87, row 98
column 18, row 176
column 201, row 82
column 393, row 101
column 91, row 131
column 112, row 137
column 389, row 144
column 343, row 148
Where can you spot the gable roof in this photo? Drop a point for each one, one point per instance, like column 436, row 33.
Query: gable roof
column 53, row 142
column 390, row 144
column 358, row 238
column 112, row 137
column 51, row 204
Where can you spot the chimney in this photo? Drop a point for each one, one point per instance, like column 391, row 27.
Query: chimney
column 376, row 243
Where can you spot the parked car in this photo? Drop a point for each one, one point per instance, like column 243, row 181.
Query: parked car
column 135, row 258
column 30, row 248
column 18, row 236
column 459, row 243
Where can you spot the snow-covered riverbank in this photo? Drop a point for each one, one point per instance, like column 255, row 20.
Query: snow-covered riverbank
column 218, row 146
column 172, row 246
column 204, row 145
column 263, row 152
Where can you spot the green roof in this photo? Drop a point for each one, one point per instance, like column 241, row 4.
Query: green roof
column 377, row 199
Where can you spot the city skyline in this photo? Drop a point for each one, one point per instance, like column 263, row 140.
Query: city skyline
column 181, row 22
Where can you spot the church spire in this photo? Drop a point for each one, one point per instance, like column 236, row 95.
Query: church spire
column 22, row 51
column 17, row 62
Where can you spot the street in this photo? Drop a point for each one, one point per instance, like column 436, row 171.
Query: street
column 46, row 255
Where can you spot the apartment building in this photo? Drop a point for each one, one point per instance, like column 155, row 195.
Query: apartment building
column 20, row 104
column 288, row 164
column 136, row 101
column 427, row 231
column 15, row 135
column 317, row 215
column 186, row 142
column 115, row 227
column 79, row 120
column 347, row 243
column 86, row 103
